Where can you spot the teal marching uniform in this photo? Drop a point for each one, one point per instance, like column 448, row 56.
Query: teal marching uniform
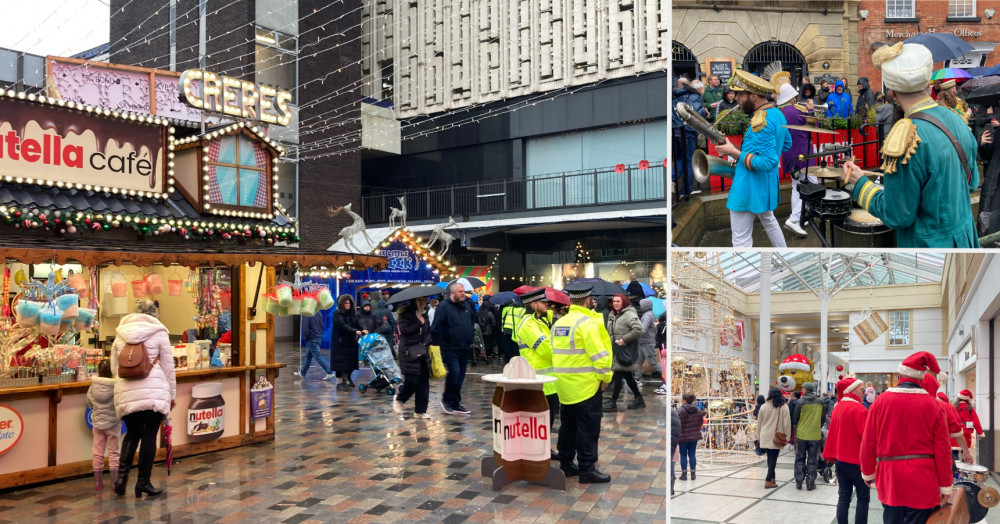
column 755, row 182
column 926, row 196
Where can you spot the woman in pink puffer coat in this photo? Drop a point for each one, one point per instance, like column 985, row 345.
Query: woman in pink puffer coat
column 142, row 403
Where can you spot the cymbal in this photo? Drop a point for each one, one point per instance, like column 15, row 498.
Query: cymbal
column 811, row 129
column 825, row 172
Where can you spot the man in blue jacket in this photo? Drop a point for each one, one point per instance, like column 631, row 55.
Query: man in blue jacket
column 453, row 332
column 839, row 102
column 685, row 137
column 312, row 332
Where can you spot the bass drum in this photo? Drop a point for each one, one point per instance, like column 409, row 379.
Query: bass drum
column 861, row 229
column 977, row 511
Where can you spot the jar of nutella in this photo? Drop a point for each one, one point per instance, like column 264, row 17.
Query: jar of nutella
column 207, row 412
column 524, row 430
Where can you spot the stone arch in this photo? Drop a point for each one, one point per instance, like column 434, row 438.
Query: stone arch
column 792, row 60
column 683, row 61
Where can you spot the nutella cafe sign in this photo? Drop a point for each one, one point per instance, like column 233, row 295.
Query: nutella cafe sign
column 210, row 91
column 65, row 148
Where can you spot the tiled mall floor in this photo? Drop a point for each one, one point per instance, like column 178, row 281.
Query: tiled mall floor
column 348, row 458
column 738, row 496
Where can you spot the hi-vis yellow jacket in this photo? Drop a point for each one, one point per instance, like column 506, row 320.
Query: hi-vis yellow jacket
column 533, row 337
column 510, row 316
column 581, row 354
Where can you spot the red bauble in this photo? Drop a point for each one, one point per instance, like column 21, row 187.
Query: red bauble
column 840, row 367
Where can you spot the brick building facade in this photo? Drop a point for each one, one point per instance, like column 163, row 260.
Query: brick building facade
column 230, row 50
column 978, row 25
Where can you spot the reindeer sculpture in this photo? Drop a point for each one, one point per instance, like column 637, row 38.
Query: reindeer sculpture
column 358, row 226
column 398, row 213
column 439, row 235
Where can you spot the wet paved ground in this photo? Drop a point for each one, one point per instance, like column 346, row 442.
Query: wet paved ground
column 349, row 458
column 738, row 496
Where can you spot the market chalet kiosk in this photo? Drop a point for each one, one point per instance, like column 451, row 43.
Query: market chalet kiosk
column 121, row 206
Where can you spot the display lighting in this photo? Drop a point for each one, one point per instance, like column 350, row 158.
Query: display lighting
column 106, row 113
column 76, row 222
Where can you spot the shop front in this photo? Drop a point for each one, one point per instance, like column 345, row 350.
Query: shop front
column 101, row 208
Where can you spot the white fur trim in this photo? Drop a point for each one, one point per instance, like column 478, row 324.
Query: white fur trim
column 868, row 477
column 942, row 377
column 801, row 366
column 916, row 374
column 946, row 491
column 849, row 399
column 963, row 397
column 857, row 384
column 907, row 390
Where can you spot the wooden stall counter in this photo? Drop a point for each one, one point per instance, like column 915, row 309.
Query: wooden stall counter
column 214, row 411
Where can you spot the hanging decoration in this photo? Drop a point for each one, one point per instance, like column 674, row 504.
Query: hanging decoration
column 298, row 298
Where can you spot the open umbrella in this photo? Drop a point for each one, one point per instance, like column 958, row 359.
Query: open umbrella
column 413, row 293
column 659, row 307
column 971, row 85
column 557, row 296
column 943, row 46
column 647, row 290
column 520, row 290
column 977, row 72
column 601, row 287
column 951, row 73
column 505, row 298
column 988, row 95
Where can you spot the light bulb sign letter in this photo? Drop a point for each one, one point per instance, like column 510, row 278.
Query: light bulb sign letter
column 210, row 91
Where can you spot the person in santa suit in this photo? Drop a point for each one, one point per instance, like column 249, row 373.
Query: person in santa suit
column 959, row 446
column 967, row 414
column 843, row 447
column 905, row 448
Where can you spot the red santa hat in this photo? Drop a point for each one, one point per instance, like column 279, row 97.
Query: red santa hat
column 919, row 363
column 942, row 396
column 930, row 384
column 797, row 362
column 965, row 394
column 848, row 385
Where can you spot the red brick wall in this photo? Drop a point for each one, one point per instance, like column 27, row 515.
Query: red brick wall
column 931, row 16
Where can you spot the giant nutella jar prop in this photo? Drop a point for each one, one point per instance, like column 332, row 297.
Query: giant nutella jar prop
column 207, row 412
column 521, row 431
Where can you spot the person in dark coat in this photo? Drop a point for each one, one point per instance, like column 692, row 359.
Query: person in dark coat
column 344, row 347
column 807, row 92
column 385, row 323
column 691, row 422
column 366, row 317
column 487, row 319
column 414, row 360
column 675, row 436
column 866, row 98
column 634, row 291
column 454, row 333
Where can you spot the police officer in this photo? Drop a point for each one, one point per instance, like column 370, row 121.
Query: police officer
column 581, row 360
column 509, row 317
column 533, row 336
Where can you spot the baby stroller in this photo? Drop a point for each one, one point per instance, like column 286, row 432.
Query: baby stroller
column 377, row 353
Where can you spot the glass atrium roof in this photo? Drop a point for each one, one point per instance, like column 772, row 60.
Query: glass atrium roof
column 791, row 268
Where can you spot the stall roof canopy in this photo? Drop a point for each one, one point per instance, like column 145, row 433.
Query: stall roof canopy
column 35, row 250
column 890, row 268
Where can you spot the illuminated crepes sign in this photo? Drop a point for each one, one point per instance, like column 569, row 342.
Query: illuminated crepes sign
column 58, row 147
column 224, row 94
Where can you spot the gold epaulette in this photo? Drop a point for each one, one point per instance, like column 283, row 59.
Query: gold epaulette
column 759, row 120
column 901, row 142
column 802, row 107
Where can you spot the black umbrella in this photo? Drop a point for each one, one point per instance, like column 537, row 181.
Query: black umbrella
column 476, row 282
column 414, row 292
column 978, row 82
column 601, row 287
column 988, row 95
column 943, row 46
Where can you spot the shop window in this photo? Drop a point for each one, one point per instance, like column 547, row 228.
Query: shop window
column 275, row 58
column 238, row 172
column 900, row 323
column 900, row 9
column 961, row 8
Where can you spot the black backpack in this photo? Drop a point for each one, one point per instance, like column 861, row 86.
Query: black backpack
column 484, row 317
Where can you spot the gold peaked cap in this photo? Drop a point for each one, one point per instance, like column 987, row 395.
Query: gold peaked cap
column 744, row 81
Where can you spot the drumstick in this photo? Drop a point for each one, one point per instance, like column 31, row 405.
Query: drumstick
column 863, row 172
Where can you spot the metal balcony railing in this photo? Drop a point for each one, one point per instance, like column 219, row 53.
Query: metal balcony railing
column 577, row 189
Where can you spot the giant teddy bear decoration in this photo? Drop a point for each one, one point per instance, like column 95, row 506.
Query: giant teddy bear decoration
column 793, row 372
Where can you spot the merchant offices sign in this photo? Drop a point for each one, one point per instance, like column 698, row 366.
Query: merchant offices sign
column 958, row 31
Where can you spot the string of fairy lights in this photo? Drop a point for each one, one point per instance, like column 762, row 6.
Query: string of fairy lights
column 438, row 265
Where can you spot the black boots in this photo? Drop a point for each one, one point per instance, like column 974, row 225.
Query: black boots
column 693, row 476
column 684, row 474
column 637, row 403
column 610, row 405
column 127, row 456
column 593, row 476
column 144, row 486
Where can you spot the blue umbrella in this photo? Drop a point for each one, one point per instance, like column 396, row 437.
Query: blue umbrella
column 505, row 298
column 943, row 46
column 647, row 290
column 659, row 307
column 977, row 72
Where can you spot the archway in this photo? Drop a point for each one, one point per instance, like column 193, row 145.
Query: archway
column 684, row 62
column 791, row 59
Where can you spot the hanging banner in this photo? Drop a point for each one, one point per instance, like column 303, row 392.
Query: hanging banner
column 870, row 328
column 405, row 267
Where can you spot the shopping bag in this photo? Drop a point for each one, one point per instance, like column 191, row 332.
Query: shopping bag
column 437, row 365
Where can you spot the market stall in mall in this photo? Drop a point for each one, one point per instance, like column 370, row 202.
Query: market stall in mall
column 99, row 208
